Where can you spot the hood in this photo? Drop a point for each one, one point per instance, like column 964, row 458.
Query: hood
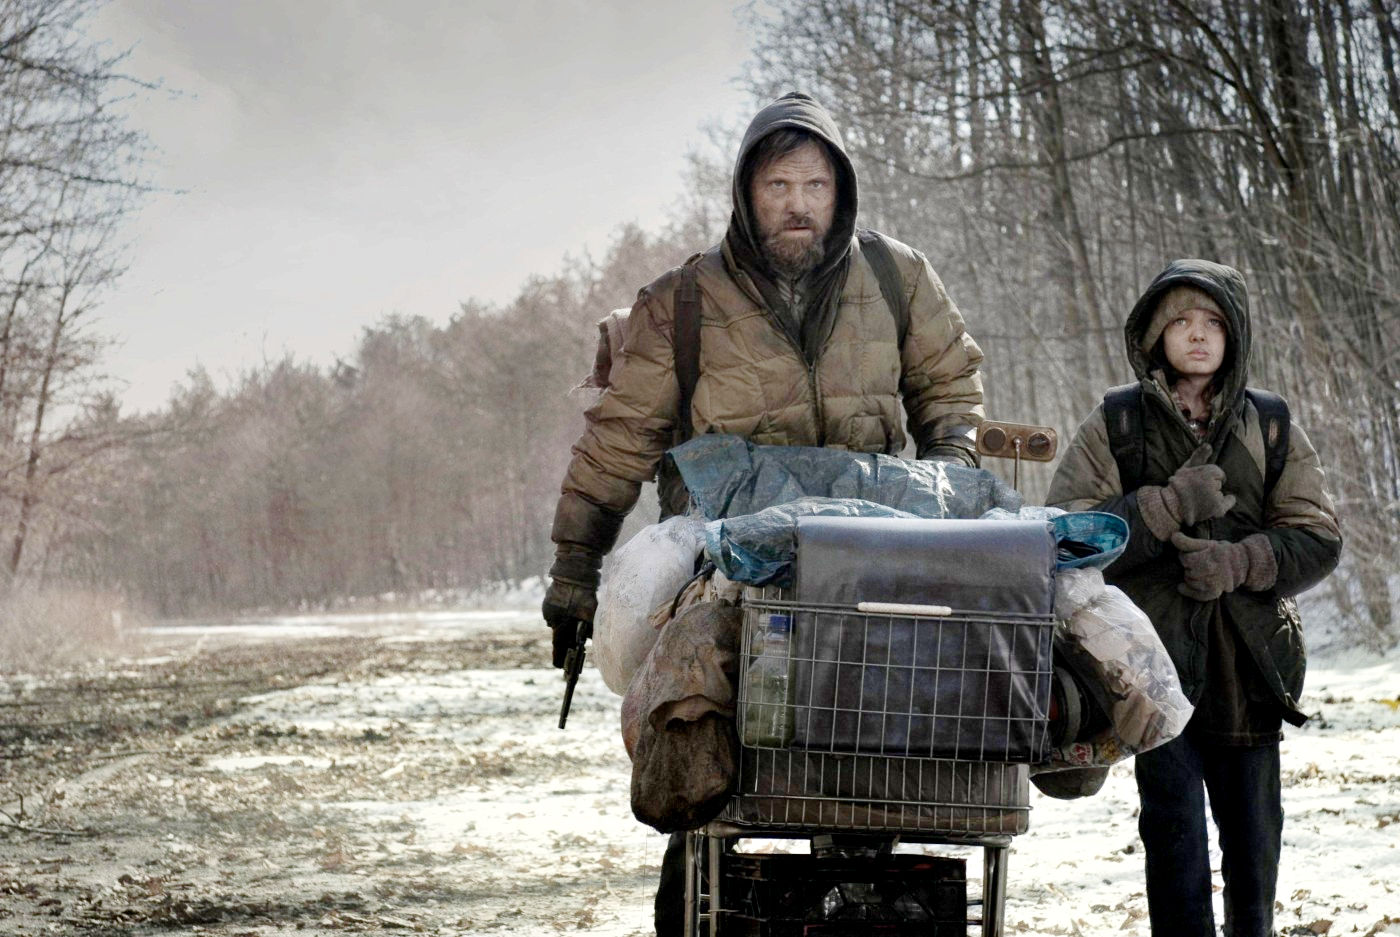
column 1227, row 287
column 798, row 111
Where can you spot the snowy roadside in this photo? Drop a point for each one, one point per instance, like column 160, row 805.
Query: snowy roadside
column 544, row 834
column 417, row 781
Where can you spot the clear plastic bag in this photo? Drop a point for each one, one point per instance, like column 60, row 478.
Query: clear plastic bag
column 647, row 571
column 1109, row 640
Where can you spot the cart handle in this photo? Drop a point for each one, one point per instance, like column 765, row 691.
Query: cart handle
column 902, row 608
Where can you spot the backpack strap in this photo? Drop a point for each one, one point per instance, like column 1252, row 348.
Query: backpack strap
column 1274, row 422
column 878, row 254
column 686, row 342
column 1122, row 413
column 1122, row 410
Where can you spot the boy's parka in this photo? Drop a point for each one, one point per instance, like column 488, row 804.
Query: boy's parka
column 1297, row 517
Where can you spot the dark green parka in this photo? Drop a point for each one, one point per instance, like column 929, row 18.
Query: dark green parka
column 1297, row 516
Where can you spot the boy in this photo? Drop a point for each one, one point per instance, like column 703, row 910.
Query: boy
column 1216, row 552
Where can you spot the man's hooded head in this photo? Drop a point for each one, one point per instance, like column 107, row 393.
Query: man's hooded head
column 791, row 131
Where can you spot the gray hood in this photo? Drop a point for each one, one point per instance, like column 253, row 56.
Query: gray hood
column 800, row 112
column 797, row 111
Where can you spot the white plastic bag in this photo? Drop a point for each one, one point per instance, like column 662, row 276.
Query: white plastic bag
column 647, row 570
column 1110, row 636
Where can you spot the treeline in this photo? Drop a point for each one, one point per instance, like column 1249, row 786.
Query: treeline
column 69, row 175
column 428, row 459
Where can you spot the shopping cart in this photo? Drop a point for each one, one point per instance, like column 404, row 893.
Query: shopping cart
column 881, row 720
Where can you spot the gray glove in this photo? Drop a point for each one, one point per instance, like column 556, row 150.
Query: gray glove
column 1193, row 494
column 1214, row 567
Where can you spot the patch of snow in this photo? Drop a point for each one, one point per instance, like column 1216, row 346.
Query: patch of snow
column 236, row 763
column 553, row 806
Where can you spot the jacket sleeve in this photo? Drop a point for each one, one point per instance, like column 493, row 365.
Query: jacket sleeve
column 1301, row 520
column 1087, row 479
column 628, row 428
column 939, row 379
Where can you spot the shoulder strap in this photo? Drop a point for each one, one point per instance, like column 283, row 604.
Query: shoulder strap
column 877, row 253
column 1122, row 412
column 1274, row 421
column 686, row 339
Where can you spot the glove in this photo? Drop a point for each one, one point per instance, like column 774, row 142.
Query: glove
column 952, row 455
column 1214, row 567
column 1190, row 496
column 572, row 595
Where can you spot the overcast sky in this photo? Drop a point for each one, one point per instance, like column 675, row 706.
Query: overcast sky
column 343, row 160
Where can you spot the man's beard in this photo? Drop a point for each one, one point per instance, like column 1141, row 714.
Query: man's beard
column 794, row 259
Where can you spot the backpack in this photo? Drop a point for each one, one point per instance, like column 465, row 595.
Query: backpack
column 1122, row 410
column 686, row 303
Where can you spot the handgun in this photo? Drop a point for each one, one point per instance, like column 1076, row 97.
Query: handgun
column 573, row 666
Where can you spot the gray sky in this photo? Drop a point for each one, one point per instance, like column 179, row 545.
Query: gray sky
column 345, row 160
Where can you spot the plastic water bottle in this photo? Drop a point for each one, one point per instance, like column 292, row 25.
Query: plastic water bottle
column 768, row 717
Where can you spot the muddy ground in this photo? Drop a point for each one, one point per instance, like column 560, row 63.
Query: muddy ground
column 166, row 796
column 398, row 779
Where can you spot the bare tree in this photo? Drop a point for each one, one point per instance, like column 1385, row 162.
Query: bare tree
column 69, row 173
column 1079, row 144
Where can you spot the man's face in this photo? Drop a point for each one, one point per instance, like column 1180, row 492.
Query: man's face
column 794, row 201
column 1194, row 342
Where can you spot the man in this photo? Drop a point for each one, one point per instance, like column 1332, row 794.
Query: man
column 798, row 347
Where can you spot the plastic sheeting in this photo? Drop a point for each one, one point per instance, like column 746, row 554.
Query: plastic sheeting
column 728, row 477
column 1086, row 539
column 752, row 495
column 647, row 570
column 1109, row 640
column 760, row 548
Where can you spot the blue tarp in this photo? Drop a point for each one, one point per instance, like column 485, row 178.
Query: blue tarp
column 752, row 496
column 1101, row 537
column 728, row 476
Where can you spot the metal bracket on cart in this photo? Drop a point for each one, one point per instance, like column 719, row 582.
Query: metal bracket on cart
column 1016, row 441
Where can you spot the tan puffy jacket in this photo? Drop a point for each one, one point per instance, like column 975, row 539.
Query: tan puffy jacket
column 755, row 383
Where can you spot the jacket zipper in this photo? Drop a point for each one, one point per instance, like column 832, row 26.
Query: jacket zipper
column 776, row 323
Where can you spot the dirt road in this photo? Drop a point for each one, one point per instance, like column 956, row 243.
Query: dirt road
column 329, row 777
column 354, row 783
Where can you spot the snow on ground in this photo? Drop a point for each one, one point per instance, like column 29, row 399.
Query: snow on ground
column 548, row 809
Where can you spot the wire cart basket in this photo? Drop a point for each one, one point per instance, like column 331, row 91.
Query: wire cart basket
column 876, row 722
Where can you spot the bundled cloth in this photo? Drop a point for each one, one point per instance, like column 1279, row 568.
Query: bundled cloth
column 678, row 717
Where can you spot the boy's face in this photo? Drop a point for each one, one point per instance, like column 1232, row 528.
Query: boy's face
column 1194, row 342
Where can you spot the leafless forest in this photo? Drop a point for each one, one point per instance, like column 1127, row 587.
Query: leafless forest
column 1048, row 156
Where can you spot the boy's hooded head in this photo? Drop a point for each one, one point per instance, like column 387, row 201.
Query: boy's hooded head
column 1182, row 285
column 1180, row 302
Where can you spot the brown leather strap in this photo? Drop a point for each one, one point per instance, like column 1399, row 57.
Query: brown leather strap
column 687, row 348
